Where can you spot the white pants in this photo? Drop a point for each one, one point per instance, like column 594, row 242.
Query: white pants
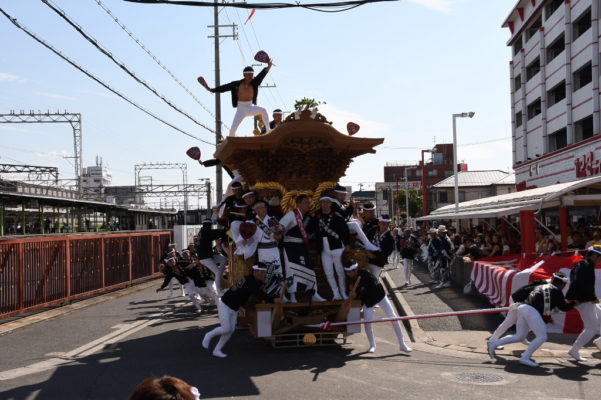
column 368, row 313
column 216, row 265
column 207, row 293
column 227, row 319
column 171, row 281
column 528, row 320
column 247, row 109
column 588, row 313
column 408, row 267
column 331, row 261
column 394, row 258
column 510, row 319
column 190, row 289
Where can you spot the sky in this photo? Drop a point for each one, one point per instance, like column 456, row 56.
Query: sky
column 398, row 69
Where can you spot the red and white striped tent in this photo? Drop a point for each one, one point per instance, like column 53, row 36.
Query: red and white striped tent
column 498, row 277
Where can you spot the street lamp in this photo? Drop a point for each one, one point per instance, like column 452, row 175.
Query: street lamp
column 455, row 172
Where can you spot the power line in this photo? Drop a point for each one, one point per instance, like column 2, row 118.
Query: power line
column 90, row 75
column 155, row 58
column 321, row 7
column 124, row 67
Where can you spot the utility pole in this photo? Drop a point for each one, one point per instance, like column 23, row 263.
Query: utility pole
column 218, row 136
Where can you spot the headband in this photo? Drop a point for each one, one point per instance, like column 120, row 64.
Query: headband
column 169, row 259
column 171, row 244
column 350, row 267
column 326, row 198
column 248, row 194
column 258, row 268
column 341, row 191
column 369, row 208
column 564, row 279
column 185, row 251
column 384, row 219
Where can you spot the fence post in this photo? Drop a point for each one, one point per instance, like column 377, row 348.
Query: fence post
column 129, row 246
column 102, row 263
column 68, row 267
column 21, row 274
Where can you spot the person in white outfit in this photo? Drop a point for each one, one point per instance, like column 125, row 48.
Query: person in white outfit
column 371, row 293
column 334, row 239
column 229, row 304
column 582, row 289
column 244, row 96
column 533, row 313
column 395, row 256
column 215, row 262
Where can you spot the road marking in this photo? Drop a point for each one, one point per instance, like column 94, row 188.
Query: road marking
column 123, row 331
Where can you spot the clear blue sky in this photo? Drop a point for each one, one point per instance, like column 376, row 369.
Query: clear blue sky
column 400, row 70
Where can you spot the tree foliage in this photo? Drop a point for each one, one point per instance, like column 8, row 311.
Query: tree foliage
column 306, row 102
column 415, row 202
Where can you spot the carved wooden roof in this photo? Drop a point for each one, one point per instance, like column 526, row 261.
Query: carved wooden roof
column 300, row 153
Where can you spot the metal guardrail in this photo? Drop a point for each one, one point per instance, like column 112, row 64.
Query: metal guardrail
column 38, row 272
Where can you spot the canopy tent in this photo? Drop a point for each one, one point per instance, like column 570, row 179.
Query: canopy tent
column 513, row 203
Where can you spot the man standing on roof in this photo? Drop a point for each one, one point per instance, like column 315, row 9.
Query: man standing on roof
column 244, row 96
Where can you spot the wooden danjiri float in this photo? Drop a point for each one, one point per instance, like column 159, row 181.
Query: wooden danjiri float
column 304, row 154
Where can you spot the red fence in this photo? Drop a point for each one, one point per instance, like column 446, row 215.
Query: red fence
column 45, row 271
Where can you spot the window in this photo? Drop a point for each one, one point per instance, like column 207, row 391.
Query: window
column 583, row 76
column 448, row 173
column 534, row 108
column 533, row 68
column 533, row 29
column 552, row 7
column 558, row 139
column 517, row 83
column 461, row 195
column 433, row 173
column 555, row 48
column 556, row 94
column 517, row 45
column 443, row 197
column 582, row 23
column 518, row 119
column 418, row 173
column 583, row 129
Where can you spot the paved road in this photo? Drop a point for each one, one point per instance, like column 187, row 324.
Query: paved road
column 101, row 352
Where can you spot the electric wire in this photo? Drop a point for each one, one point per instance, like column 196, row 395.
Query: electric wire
column 459, row 145
column 155, row 58
column 127, row 70
column 321, row 7
column 98, row 80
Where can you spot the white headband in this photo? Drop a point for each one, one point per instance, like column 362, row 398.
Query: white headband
column 341, row 191
column 350, row 267
column 561, row 278
column 248, row 194
column 325, row 198
column 369, row 208
column 171, row 244
column 185, row 251
column 384, row 219
column 257, row 268
column 169, row 259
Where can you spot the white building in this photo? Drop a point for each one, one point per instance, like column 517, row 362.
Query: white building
column 554, row 75
column 472, row 185
column 95, row 179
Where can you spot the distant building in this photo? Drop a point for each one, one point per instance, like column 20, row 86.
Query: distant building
column 472, row 185
column 95, row 179
column 555, row 104
column 438, row 165
column 122, row 195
